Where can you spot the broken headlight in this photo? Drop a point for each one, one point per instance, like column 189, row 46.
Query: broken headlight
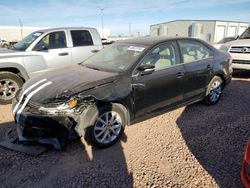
column 72, row 103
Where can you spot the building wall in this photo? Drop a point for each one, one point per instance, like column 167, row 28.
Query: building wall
column 210, row 31
column 14, row 34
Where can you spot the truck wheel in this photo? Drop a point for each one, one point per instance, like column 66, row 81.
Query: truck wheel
column 10, row 83
column 214, row 91
column 105, row 125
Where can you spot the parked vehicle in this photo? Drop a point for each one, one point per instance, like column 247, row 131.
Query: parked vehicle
column 126, row 82
column 42, row 51
column 223, row 41
column 239, row 50
column 245, row 171
column 106, row 41
column 4, row 44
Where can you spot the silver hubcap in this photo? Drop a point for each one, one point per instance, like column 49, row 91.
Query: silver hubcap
column 215, row 91
column 8, row 89
column 107, row 127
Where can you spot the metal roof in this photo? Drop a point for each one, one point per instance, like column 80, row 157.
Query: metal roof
column 199, row 21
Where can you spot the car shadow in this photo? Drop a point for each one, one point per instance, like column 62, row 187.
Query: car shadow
column 79, row 165
column 216, row 135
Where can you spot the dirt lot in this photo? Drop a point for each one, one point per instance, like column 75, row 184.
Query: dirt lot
column 195, row 146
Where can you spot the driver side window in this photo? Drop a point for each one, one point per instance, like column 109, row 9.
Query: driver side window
column 53, row 40
column 193, row 51
column 162, row 56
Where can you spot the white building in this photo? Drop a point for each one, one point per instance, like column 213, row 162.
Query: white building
column 16, row 33
column 209, row 30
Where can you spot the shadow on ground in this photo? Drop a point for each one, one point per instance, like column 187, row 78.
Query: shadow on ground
column 218, row 135
column 78, row 166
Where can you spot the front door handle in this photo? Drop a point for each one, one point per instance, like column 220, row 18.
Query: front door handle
column 63, row 54
column 180, row 74
column 138, row 85
column 95, row 51
column 208, row 66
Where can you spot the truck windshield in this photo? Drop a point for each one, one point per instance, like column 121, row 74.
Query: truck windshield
column 24, row 44
column 246, row 34
column 118, row 57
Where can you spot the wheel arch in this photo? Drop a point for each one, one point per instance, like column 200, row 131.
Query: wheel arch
column 14, row 68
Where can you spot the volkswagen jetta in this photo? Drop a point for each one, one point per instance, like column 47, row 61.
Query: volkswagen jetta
column 124, row 83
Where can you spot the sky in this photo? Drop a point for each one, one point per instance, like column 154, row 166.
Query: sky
column 123, row 17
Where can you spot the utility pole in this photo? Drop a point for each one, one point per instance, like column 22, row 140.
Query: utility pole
column 21, row 27
column 102, row 9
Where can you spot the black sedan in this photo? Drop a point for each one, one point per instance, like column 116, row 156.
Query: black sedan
column 124, row 83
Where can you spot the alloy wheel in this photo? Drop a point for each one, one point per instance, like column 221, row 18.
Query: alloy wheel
column 215, row 91
column 107, row 127
column 8, row 89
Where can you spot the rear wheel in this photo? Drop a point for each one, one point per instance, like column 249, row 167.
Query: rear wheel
column 106, row 125
column 10, row 83
column 214, row 91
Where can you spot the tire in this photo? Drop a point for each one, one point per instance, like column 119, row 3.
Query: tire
column 5, row 46
column 214, row 91
column 102, row 135
column 10, row 83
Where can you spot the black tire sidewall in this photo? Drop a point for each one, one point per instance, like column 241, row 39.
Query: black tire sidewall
column 96, row 112
column 14, row 78
column 207, row 99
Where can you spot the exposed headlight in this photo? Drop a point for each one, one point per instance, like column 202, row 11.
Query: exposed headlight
column 68, row 105
column 224, row 48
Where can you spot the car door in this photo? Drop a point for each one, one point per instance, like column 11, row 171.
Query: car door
column 198, row 61
column 163, row 87
column 83, row 45
column 50, row 52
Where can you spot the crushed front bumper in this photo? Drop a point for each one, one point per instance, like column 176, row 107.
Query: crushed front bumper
column 54, row 130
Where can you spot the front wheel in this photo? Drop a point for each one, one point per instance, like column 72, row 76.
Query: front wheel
column 214, row 91
column 10, row 83
column 106, row 125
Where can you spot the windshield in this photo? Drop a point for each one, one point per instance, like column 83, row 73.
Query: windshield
column 246, row 34
column 115, row 58
column 24, row 44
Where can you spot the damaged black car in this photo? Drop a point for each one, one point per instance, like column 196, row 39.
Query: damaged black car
column 124, row 83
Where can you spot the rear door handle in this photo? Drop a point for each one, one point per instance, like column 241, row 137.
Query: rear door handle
column 180, row 74
column 209, row 67
column 63, row 54
column 95, row 51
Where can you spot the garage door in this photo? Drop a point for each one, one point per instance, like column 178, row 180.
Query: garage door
column 220, row 32
column 231, row 32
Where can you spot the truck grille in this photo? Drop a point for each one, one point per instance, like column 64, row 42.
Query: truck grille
column 239, row 49
column 241, row 62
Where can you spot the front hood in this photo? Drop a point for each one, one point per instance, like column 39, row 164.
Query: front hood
column 238, row 42
column 9, row 53
column 66, row 82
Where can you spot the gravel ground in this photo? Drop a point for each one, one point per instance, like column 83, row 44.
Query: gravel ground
column 194, row 146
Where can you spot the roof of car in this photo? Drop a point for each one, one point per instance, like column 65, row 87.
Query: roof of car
column 149, row 41
column 63, row 28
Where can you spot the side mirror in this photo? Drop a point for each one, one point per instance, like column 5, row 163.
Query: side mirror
column 40, row 47
column 146, row 69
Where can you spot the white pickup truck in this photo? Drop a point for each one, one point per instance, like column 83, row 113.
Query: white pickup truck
column 239, row 50
column 41, row 51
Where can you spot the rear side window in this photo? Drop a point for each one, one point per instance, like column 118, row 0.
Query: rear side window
column 81, row 38
column 193, row 51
